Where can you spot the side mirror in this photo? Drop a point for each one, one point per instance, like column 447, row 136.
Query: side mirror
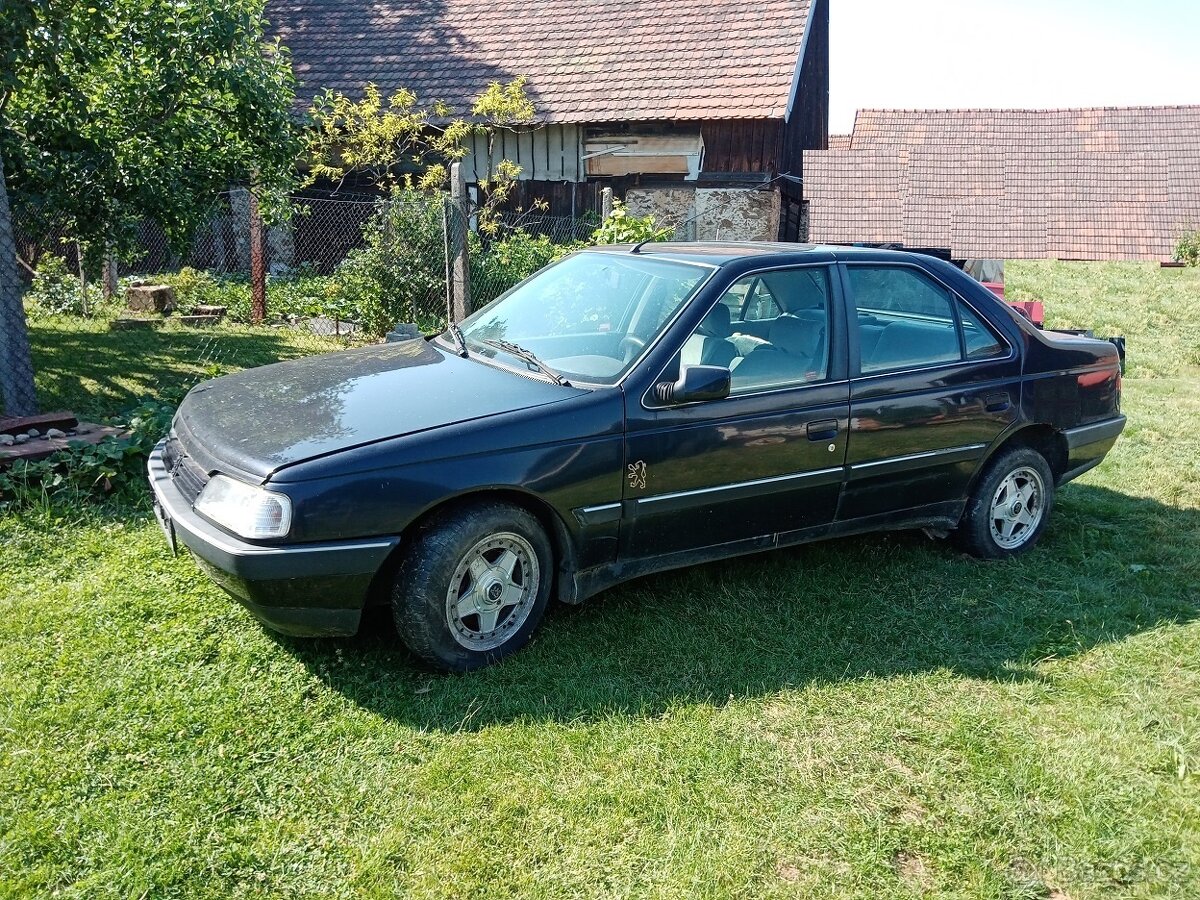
column 696, row 384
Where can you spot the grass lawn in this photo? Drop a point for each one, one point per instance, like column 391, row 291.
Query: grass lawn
column 85, row 367
column 873, row 717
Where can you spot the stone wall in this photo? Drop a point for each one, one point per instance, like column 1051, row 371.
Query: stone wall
column 710, row 214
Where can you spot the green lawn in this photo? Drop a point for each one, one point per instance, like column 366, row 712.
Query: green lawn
column 875, row 717
column 85, row 367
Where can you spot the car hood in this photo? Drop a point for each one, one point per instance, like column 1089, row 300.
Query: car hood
column 260, row 420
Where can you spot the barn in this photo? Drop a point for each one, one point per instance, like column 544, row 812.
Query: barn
column 1080, row 184
column 691, row 109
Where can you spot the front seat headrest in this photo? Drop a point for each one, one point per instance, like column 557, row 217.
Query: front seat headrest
column 716, row 324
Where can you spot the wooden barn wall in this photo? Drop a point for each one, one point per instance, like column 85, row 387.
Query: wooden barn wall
column 808, row 127
column 562, row 198
column 742, row 146
column 550, row 153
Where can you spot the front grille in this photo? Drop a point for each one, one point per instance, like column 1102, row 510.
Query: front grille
column 188, row 477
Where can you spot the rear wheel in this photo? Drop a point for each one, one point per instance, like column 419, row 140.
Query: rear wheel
column 1009, row 507
column 473, row 586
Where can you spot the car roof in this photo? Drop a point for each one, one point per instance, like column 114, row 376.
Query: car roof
column 721, row 253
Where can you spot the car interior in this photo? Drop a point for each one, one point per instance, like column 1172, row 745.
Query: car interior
column 770, row 330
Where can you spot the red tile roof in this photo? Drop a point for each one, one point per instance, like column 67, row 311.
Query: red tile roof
column 597, row 61
column 1113, row 183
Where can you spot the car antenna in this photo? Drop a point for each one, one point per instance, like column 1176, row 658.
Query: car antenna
column 637, row 248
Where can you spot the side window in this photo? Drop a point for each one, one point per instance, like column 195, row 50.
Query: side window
column 762, row 304
column 979, row 340
column 789, row 346
column 905, row 320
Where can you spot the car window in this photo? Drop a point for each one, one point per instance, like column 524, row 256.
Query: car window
column 979, row 340
column 905, row 319
column 792, row 346
column 589, row 316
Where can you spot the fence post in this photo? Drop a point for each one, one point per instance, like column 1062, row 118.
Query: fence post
column 458, row 227
column 108, row 277
column 605, row 204
column 258, row 265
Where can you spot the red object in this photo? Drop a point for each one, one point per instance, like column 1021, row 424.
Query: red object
column 996, row 287
column 1033, row 310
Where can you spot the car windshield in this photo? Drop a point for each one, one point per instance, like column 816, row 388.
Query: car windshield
column 588, row 317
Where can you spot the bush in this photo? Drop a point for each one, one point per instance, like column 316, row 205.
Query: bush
column 115, row 468
column 1187, row 251
column 57, row 292
column 195, row 287
column 307, row 294
column 510, row 261
column 619, row 227
column 400, row 275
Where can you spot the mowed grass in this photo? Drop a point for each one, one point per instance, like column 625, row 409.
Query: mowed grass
column 85, row 367
column 873, row 717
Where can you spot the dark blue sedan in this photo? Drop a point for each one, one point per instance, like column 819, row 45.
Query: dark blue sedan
column 624, row 411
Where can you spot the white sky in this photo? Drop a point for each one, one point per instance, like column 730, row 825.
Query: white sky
column 1011, row 53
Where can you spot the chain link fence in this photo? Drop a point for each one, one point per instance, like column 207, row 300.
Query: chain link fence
column 341, row 271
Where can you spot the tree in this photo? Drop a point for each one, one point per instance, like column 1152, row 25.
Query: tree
column 398, row 142
column 131, row 109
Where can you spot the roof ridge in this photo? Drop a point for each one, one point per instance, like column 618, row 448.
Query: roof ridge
column 1024, row 109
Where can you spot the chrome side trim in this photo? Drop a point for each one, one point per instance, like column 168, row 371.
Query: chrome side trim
column 683, row 499
column 598, row 515
column 915, row 460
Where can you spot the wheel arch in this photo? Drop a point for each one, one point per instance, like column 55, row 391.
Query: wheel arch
column 561, row 542
column 1045, row 439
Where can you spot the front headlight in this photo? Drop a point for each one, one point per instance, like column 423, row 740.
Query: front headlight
column 246, row 510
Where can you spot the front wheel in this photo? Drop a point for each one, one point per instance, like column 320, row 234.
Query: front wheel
column 473, row 586
column 1009, row 508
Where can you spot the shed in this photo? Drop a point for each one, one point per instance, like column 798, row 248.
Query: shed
column 678, row 106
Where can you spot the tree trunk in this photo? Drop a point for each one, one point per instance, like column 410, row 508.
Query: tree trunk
column 18, row 396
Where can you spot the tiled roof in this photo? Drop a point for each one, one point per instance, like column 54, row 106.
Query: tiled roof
column 597, row 61
column 1115, row 183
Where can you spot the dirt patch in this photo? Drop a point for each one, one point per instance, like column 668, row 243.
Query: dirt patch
column 912, row 869
column 788, row 872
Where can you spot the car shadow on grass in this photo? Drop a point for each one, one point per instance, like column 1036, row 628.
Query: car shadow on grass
column 1109, row 566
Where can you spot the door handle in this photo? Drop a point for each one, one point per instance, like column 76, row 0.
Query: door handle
column 825, row 430
column 995, row 403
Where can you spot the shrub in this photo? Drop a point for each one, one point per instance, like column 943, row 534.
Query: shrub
column 400, row 275
column 196, row 287
column 1187, row 251
column 57, row 292
column 306, row 294
column 510, row 261
column 619, row 227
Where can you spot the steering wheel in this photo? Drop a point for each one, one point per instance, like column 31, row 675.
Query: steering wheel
column 631, row 345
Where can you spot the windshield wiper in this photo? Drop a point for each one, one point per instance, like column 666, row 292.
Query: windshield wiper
column 528, row 355
column 460, row 342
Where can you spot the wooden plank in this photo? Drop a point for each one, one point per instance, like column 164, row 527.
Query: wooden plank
column 18, row 424
column 525, row 157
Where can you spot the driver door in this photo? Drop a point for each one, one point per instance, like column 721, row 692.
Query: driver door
column 766, row 463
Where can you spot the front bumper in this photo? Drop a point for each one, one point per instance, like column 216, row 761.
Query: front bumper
column 303, row 589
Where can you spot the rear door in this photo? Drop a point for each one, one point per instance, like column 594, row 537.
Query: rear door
column 767, row 460
column 932, row 386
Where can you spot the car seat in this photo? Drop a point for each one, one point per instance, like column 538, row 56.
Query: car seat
column 710, row 344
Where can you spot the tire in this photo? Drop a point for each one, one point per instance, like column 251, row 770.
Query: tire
column 473, row 586
column 1010, row 506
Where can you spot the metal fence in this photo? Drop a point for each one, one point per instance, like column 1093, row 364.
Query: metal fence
column 341, row 270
